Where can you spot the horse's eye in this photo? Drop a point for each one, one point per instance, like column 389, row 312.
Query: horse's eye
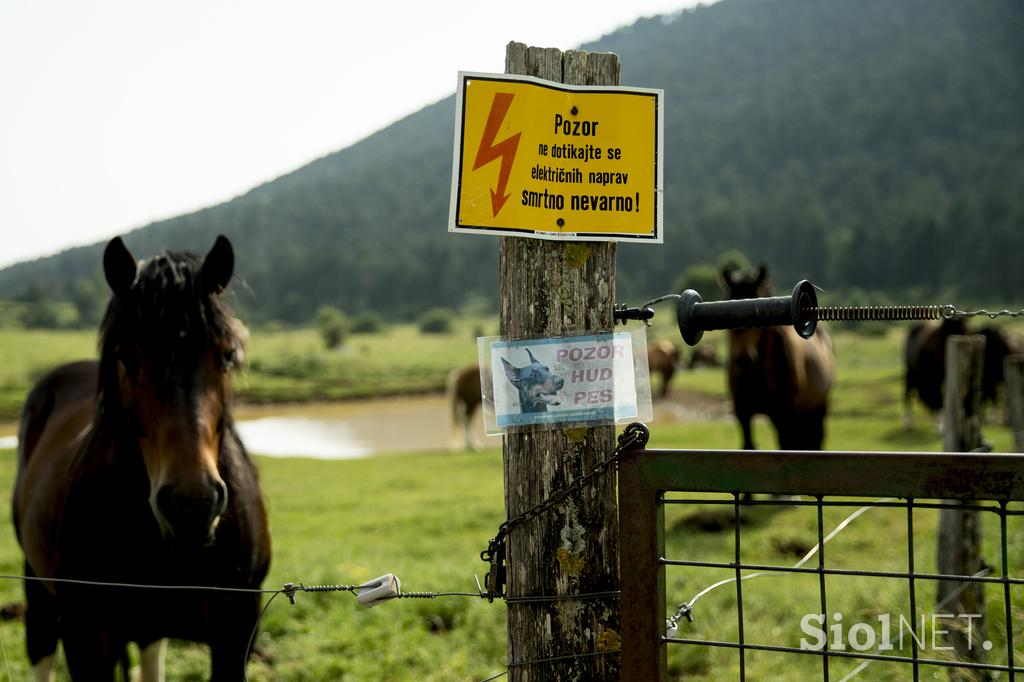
column 230, row 358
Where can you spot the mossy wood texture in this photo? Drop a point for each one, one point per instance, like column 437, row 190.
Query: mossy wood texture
column 550, row 288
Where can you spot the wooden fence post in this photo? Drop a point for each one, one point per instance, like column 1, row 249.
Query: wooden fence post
column 1013, row 370
column 553, row 288
column 959, row 542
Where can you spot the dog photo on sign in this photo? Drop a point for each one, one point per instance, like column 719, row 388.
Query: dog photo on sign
column 536, row 385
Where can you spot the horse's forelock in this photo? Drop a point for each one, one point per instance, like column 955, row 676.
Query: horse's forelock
column 168, row 309
column 753, row 284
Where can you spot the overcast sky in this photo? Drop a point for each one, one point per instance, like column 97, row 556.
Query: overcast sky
column 115, row 113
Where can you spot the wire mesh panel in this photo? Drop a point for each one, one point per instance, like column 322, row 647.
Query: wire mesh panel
column 817, row 624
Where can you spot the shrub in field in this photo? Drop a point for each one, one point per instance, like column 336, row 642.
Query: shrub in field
column 436, row 321
column 333, row 326
column 734, row 259
column 368, row 322
column 703, row 279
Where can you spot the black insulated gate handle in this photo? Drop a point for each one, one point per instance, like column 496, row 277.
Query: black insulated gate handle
column 696, row 317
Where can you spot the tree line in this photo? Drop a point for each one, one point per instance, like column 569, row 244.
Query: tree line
column 873, row 146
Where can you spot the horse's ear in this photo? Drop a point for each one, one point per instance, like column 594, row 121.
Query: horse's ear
column 727, row 281
column 119, row 266
column 762, row 275
column 218, row 266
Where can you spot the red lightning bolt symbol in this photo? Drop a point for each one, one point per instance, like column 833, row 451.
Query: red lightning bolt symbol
column 504, row 150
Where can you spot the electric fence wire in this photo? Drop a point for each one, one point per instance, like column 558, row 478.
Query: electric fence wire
column 289, row 590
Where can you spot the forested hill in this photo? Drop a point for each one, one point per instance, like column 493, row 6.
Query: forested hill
column 857, row 143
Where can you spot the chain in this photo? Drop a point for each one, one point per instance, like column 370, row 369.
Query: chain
column 633, row 436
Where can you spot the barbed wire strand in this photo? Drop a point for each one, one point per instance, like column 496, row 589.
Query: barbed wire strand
column 290, row 589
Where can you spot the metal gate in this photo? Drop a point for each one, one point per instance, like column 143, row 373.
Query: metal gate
column 989, row 483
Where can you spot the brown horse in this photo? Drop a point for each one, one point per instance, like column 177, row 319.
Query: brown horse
column 924, row 356
column 999, row 343
column 463, row 391
column 130, row 472
column 662, row 358
column 705, row 355
column 773, row 371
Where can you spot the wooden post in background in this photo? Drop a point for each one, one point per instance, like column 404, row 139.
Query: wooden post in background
column 553, row 288
column 959, row 542
column 1013, row 370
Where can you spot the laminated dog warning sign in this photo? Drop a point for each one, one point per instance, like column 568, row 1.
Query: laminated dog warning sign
column 590, row 379
column 536, row 158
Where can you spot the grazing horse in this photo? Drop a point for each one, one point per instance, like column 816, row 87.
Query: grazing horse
column 463, row 390
column 773, row 371
column 924, row 359
column 662, row 358
column 703, row 355
column 130, row 472
column 925, row 362
column 999, row 343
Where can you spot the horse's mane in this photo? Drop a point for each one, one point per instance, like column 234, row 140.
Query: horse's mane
column 166, row 314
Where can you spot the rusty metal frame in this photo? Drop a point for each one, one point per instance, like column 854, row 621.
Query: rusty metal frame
column 923, row 480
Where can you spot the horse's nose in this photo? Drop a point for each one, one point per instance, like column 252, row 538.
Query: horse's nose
column 190, row 511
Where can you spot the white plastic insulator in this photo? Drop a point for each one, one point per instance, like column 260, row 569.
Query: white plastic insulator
column 379, row 590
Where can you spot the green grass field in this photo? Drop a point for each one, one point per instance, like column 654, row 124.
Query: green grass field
column 283, row 366
column 427, row 516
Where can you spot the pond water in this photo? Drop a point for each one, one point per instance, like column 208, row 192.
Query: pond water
column 351, row 429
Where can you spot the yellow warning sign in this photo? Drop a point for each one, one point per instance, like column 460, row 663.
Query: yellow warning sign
column 543, row 159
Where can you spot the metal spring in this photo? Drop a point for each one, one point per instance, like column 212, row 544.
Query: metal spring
column 864, row 313
column 327, row 588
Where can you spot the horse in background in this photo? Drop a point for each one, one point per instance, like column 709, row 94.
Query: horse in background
column 464, row 398
column 999, row 343
column 131, row 472
column 924, row 356
column 775, row 372
column 662, row 359
column 924, row 362
column 703, row 355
